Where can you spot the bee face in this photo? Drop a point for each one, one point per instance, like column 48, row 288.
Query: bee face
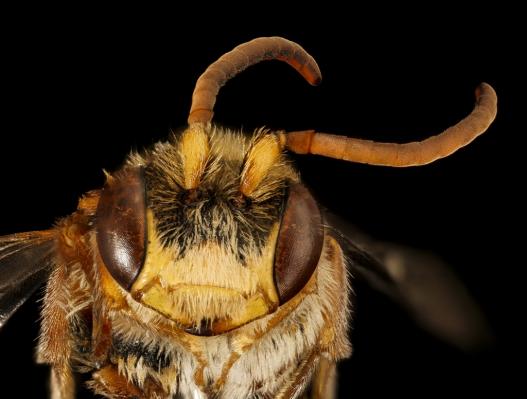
column 212, row 236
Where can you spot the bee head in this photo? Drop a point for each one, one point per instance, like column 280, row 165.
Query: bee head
column 212, row 229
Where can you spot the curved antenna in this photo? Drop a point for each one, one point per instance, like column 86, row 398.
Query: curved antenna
column 242, row 57
column 401, row 155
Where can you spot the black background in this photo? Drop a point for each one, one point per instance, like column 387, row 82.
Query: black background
column 81, row 88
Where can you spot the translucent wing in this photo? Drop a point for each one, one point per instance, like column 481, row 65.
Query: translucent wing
column 25, row 263
column 420, row 282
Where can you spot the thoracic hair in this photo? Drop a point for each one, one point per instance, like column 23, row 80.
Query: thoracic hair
column 215, row 210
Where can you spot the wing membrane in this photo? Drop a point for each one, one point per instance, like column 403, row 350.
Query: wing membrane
column 420, row 282
column 25, row 263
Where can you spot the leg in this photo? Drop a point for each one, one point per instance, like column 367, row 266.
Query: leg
column 62, row 385
column 300, row 378
column 110, row 384
column 55, row 342
column 324, row 384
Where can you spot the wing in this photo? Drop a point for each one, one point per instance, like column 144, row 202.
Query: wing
column 420, row 282
column 25, row 263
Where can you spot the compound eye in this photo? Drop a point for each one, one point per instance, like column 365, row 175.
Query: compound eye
column 299, row 243
column 121, row 225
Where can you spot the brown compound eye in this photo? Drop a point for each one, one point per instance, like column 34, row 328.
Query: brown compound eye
column 121, row 225
column 299, row 242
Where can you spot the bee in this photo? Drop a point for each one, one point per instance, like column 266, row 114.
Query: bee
column 204, row 268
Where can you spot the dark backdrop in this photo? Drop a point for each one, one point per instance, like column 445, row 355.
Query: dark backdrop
column 81, row 88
